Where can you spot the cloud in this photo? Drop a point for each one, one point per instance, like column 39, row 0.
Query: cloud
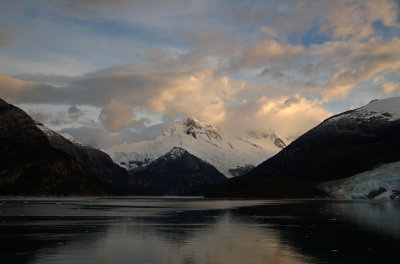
column 391, row 87
column 116, row 4
column 241, row 66
column 11, row 89
column 356, row 62
column 165, row 88
column 210, row 37
column 116, row 115
column 74, row 112
column 165, row 14
column 9, row 34
column 5, row 37
column 93, row 136
column 237, row 72
column 16, row 90
column 44, row 117
column 340, row 20
column 99, row 136
column 175, row 91
column 265, row 50
column 286, row 116
column 60, row 116
column 188, row 85
column 355, row 18
column 269, row 31
column 46, row 79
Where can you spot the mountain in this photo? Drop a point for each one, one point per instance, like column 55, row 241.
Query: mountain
column 35, row 164
column 97, row 163
column 178, row 172
column 225, row 152
column 340, row 147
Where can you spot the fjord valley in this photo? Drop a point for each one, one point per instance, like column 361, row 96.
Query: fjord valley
column 175, row 132
column 350, row 155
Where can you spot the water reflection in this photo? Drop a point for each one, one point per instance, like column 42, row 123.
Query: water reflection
column 377, row 216
column 221, row 242
column 337, row 231
column 197, row 231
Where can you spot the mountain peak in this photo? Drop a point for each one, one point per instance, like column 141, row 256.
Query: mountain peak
column 203, row 140
column 178, row 172
column 196, row 128
column 174, row 153
column 192, row 122
column 388, row 108
column 383, row 109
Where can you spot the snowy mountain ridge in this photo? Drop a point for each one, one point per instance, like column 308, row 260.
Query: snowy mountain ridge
column 73, row 140
column 195, row 128
column 49, row 133
column 385, row 109
column 204, row 141
column 174, row 153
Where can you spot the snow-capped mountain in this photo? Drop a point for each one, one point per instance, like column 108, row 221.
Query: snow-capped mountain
column 203, row 140
column 356, row 152
column 384, row 109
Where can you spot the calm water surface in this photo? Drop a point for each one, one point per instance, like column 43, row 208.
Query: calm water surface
column 194, row 230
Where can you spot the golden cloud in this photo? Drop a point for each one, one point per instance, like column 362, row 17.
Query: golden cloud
column 12, row 88
column 116, row 115
column 356, row 63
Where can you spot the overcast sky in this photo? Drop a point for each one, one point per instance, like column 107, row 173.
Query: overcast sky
column 113, row 71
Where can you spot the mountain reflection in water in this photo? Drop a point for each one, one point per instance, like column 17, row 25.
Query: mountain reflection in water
column 193, row 230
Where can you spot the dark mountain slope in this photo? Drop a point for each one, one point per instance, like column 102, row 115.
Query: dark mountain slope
column 178, row 172
column 341, row 146
column 31, row 165
column 97, row 163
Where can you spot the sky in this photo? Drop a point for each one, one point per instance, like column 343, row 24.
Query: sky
column 109, row 72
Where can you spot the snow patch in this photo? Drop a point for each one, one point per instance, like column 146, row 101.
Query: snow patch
column 73, row 140
column 47, row 131
column 389, row 108
column 174, row 153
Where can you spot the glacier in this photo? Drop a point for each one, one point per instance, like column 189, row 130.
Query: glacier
column 384, row 179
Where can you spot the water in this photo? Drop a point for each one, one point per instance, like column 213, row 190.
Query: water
column 194, row 230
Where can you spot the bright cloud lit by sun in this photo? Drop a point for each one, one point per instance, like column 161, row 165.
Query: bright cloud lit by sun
column 139, row 66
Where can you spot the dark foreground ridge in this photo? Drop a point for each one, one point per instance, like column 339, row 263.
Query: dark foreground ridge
column 33, row 164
